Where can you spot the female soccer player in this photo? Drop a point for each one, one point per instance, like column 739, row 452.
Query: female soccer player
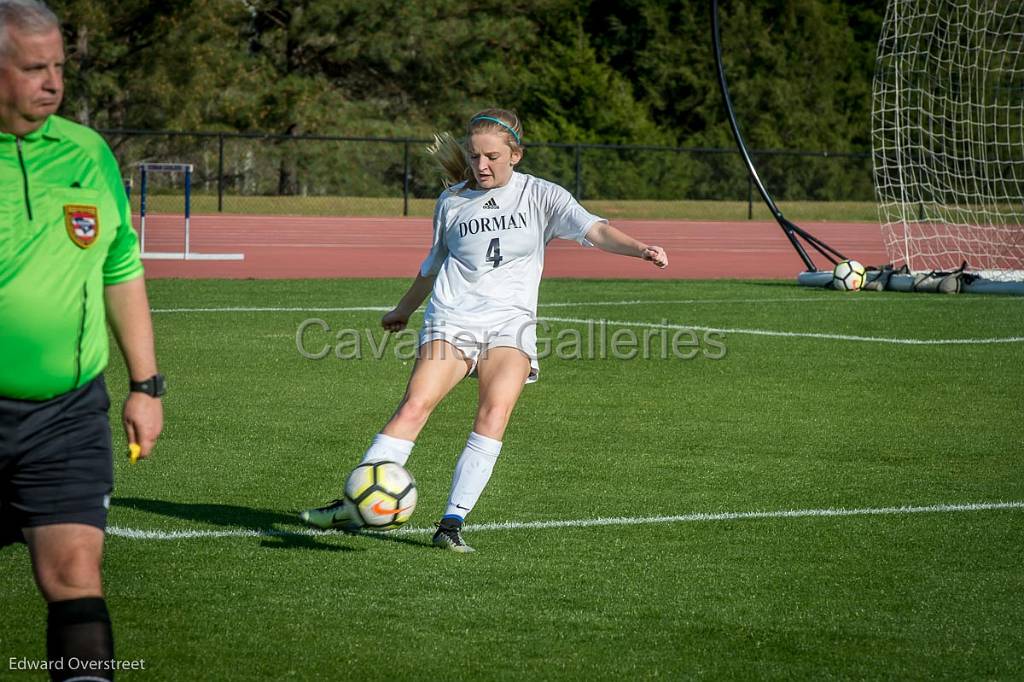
column 482, row 273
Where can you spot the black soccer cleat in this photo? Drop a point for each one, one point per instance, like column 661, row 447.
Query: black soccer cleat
column 449, row 536
column 335, row 515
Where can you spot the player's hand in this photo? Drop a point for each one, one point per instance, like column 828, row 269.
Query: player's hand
column 143, row 421
column 656, row 255
column 394, row 321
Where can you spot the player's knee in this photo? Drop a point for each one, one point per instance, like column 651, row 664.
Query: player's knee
column 415, row 410
column 494, row 416
column 73, row 575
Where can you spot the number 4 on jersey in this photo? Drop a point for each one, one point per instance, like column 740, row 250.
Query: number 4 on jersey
column 494, row 253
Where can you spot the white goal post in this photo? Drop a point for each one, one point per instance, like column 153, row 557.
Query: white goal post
column 948, row 135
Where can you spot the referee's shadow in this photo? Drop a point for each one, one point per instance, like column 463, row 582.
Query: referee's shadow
column 284, row 526
column 234, row 516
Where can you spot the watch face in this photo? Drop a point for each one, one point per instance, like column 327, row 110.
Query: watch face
column 154, row 386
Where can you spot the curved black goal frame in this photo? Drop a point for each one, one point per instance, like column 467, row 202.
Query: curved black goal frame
column 793, row 232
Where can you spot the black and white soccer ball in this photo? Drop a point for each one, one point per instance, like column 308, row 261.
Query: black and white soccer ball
column 380, row 495
column 848, row 275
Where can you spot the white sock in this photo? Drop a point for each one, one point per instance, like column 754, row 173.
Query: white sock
column 472, row 472
column 388, row 449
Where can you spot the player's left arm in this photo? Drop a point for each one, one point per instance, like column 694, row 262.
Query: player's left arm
column 613, row 240
column 130, row 319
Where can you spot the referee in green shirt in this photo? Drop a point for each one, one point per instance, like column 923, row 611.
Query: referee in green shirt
column 69, row 263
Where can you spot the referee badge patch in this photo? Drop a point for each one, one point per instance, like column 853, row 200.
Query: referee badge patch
column 83, row 224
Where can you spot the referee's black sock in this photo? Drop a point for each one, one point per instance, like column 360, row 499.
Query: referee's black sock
column 79, row 629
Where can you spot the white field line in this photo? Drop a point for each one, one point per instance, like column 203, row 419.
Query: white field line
column 303, row 309
column 652, row 325
column 587, row 304
column 796, row 299
column 136, row 534
column 798, row 335
column 697, row 301
column 566, row 304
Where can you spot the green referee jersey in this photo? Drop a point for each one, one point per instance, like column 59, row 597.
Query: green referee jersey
column 65, row 234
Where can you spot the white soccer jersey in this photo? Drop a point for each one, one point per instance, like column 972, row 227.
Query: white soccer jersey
column 488, row 250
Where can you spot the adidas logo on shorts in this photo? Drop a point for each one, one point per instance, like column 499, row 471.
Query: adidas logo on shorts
column 491, row 203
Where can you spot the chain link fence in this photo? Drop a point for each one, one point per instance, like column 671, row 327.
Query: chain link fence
column 334, row 175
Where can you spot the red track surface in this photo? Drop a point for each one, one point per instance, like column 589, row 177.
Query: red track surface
column 292, row 247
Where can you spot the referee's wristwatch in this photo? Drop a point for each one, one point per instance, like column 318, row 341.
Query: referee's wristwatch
column 155, row 386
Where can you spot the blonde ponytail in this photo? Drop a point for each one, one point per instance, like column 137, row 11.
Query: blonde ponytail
column 451, row 157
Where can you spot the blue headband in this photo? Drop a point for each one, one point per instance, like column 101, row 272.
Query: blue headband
column 499, row 122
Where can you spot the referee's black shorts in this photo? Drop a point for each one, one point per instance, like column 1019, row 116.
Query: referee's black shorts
column 56, row 461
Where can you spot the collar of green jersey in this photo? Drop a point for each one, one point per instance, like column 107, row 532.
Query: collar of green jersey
column 47, row 130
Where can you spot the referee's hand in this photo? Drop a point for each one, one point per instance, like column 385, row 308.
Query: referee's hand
column 143, row 421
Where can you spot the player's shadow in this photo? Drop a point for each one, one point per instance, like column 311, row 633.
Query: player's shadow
column 234, row 516
column 400, row 539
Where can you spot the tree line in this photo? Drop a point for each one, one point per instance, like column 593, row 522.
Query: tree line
column 577, row 71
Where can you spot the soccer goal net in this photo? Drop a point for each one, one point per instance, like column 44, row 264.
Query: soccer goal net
column 948, row 135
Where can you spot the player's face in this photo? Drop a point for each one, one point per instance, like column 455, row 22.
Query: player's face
column 31, row 79
column 492, row 159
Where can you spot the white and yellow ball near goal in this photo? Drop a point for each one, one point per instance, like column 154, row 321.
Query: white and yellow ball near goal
column 848, row 275
column 380, row 495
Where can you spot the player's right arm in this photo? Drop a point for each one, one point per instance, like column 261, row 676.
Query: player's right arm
column 420, row 288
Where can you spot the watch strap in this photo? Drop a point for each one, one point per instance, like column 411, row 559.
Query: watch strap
column 154, row 386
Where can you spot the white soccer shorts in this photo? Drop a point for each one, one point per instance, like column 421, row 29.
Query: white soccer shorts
column 519, row 333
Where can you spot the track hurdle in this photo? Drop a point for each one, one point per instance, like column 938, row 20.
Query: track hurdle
column 187, row 253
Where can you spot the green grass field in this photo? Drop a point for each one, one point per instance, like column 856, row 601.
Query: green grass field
column 823, row 401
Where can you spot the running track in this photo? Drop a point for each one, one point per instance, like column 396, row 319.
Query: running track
column 285, row 247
